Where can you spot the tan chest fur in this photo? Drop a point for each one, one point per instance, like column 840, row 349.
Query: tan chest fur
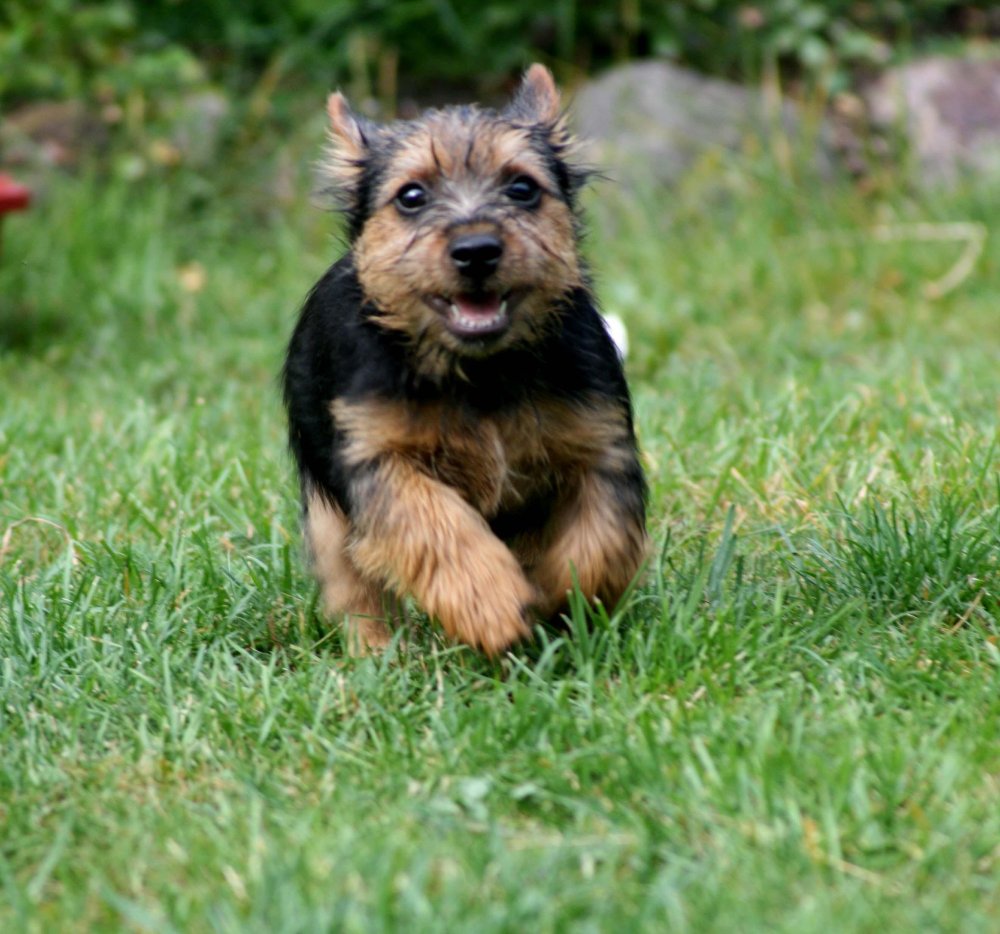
column 496, row 462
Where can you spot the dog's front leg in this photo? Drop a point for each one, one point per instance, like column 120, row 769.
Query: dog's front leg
column 420, row 537
column 597, row 535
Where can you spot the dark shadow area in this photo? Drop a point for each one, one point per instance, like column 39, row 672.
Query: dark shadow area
column 26, row 330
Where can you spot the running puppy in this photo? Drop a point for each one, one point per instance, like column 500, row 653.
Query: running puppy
column 458, row 413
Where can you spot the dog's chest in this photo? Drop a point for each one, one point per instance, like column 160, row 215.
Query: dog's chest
column 497, row 462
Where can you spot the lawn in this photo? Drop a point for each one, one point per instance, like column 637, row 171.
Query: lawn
column 793, row 724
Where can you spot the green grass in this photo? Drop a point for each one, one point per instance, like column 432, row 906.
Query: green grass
column 791, row 726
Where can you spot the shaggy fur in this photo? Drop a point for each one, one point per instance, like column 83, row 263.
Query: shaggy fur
column 457, row 411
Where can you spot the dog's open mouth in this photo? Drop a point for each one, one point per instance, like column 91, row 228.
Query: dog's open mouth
column 473, row 314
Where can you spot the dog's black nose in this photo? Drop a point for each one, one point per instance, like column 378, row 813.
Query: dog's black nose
column 476, row 255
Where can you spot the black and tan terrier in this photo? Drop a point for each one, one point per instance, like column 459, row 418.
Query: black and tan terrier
column 457, row 410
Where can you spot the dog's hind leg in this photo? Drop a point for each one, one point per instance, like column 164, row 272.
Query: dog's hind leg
column 362, row 604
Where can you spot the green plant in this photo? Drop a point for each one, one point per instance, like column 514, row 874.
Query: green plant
column 63, row 49
column 784, row 730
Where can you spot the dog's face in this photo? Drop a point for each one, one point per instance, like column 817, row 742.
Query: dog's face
column 464, row 232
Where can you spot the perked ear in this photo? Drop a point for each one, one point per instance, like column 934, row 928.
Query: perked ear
column 348, row 151
column 536, row 104
column 537, row 98
column 346, row 131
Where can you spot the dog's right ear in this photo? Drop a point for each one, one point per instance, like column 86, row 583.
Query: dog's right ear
column 347, row 131
column 349, row 147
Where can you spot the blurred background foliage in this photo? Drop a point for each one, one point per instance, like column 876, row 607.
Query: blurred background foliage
column 385, row 49
column 148, row 86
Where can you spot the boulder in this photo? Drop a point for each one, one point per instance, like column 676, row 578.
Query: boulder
column 946, row 112
column 47, row 134
column 198, row 124
column 650, row 121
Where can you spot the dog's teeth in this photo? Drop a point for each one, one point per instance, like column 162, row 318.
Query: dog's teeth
column 476, row 324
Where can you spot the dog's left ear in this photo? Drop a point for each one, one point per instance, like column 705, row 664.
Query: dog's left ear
column 537, row 98
column 537, row 107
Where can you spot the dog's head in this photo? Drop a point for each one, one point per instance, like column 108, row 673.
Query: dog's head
column 463, row 222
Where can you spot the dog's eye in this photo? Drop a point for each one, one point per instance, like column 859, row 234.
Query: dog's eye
column 524, row 190
column 411, row 198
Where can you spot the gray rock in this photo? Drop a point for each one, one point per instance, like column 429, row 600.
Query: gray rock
column 198, row 124
column 47, row 134
column 651, row 121
column 948, row 112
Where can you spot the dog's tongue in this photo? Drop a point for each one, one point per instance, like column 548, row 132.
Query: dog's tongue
column 478, row 306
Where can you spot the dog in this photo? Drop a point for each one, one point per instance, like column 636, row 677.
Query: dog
column 457, row 411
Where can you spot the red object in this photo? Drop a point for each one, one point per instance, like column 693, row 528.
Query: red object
column 13, row 197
